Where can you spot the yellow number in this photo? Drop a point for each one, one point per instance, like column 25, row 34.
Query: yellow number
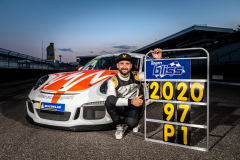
column 168, row 97
column 153, row 95
column 197, row 99
column 180, row 96
column 184, row 129
column 185, row 107
column 169, row 113
column 166, row 133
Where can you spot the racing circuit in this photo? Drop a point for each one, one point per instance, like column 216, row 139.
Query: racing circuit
column 22, row 140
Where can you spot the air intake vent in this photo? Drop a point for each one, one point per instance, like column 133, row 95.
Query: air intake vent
column 53, row 115
column 30, row 107
column 92, row 113
column 77, row 114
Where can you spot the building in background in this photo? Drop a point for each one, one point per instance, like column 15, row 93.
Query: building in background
column 223, row 45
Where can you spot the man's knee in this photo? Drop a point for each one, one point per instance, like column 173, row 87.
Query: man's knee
column 131, row 122
column 110, row 101
column 113, row 111
column 132, row 119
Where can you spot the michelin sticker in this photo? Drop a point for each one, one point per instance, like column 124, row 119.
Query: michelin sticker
column 51, row 106
column 168, row 69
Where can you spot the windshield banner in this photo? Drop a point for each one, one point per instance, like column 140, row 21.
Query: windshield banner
column 168, row 69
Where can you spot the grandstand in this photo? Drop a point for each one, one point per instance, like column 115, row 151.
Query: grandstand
column 223, row 45
column 11, row 59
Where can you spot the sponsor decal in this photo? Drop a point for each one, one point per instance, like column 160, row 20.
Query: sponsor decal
column 51, row 96
column 95, row 59
column 45, row 96
column 51, row 106
column 65, row 97
column 168, row 69
column 115, row 82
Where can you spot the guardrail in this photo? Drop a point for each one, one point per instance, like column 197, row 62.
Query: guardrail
column 11, row 59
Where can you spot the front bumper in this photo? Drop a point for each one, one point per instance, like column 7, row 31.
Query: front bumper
column 77, row 128
column 76, row 119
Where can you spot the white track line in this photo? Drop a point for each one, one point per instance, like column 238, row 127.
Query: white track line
column 226, row 83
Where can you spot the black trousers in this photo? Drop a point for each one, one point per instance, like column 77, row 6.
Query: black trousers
column 127, row 114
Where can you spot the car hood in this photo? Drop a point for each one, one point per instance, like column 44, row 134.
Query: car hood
column 76, row 81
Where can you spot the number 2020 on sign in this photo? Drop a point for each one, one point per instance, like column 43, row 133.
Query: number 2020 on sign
column 179, row 91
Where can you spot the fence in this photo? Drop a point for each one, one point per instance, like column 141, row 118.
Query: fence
column 11, row 59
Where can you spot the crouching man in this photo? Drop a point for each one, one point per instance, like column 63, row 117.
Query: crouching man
column 124, row 102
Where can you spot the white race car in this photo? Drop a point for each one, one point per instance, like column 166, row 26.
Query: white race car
column 75, row 100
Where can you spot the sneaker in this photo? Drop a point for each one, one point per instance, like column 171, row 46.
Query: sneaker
column 136, row 129
column 119, row 132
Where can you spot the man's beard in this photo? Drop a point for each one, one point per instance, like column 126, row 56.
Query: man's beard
column 120, row 70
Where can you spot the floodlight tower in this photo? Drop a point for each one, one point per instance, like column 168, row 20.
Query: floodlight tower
column 42, row 49
column 60, row 57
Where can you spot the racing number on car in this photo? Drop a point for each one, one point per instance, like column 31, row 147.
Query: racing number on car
column 184, row 135
column 154, row 90
column 168, row 90
column 183, row 113
column 182, row 91
column 169, row 133
column 169, row 112
column 197, row 92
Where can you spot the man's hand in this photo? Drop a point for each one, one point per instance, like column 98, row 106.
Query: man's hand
column 157, row 54
column 137, row 102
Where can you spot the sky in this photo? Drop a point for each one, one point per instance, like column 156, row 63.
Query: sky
column 97, row 27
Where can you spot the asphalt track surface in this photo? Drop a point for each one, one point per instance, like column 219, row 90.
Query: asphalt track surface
column 21, row 140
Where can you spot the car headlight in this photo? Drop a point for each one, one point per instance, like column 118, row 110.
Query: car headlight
column 103, row 88
column 41, row 81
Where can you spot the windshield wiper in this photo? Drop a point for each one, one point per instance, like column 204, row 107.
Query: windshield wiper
column 107, row 63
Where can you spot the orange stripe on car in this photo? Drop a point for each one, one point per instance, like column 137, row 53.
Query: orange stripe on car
column 57, row 96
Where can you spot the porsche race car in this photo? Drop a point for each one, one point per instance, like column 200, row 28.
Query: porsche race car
column 75, row 100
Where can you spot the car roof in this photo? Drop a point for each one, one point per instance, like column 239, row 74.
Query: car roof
column 136, row 55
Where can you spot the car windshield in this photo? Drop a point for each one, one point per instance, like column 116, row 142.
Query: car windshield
column 108, row 63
